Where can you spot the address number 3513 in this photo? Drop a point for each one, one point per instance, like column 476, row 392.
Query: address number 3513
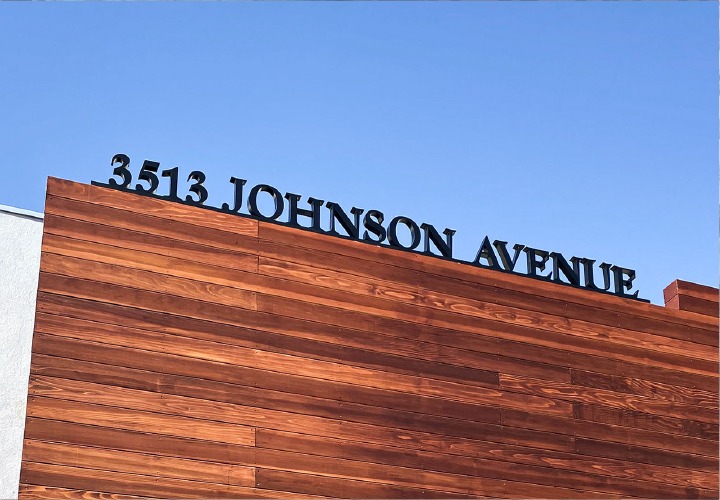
column 149, row 175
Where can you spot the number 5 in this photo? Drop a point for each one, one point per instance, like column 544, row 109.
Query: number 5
column 147, row 173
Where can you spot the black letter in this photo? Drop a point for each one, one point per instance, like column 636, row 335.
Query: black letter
column 621, row 284
column 237, row 204
column 277, row 198
column 486, row 252
column 501, row 247
column 432, row 234
column 560, row 264
column 337, row 213
column 374, row 226
column 314, row 213
column 533, row 264
column 588, row 272
column 414, row 232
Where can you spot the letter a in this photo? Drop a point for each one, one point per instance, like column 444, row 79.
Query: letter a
column 487, row 253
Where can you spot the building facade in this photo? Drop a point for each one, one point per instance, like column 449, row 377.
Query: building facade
column 180, row 352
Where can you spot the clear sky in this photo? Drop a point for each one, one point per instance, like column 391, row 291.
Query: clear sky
column 586, row 128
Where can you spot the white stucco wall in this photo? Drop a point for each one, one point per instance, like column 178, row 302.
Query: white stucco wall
column 20, row 240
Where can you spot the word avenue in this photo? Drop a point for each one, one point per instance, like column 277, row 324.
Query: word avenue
column 373, row 227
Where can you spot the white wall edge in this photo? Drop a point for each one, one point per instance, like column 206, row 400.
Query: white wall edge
column 21, row 212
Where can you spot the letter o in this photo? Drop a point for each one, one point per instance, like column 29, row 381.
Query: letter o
column 414, row 232
column 277, row 198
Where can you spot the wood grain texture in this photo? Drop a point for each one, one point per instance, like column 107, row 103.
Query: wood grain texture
column 39, row 492
column 681, row 287
column 693, row 304
column 137, row 463
column 431, row 272
column 185, row 353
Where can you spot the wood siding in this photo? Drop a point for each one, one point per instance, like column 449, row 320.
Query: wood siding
column 180, row 352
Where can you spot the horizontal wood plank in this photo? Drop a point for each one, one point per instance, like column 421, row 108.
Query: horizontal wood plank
column 589, row 395
column 34, row 492
column 99, row 197
column 686, row 395
column 121, row 483
column 124, row 418
column 611, row 433
column 344, row 488
column 474, row 466
column 619, row 451
column 137, row 463
column 647, row 421
column 681, row 287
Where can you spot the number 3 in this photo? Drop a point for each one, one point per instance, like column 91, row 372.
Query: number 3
column 122, row 170
column 197, row 188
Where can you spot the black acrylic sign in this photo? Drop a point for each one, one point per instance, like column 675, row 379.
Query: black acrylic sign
column 372, row 227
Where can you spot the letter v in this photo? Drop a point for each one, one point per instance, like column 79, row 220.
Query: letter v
column 501, row 247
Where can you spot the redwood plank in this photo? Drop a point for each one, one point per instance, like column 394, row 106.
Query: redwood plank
column 82, row 411
column 699, row 306
column 128, row 204
column 539, row 459
column 477, row 393
column 417, row 478
column 686, row 395
column 137, row 463
column 472, row 466
column 33, row 492
column 137, row 441
column 80, row 238
column 344, row 488
column 611, row 433
column 169, row 286
column 121, row 483
column 580, row 394
column 681, row 287
column 635, row 419
column 632, row 453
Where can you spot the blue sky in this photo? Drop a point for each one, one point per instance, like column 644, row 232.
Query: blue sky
column 586, row 128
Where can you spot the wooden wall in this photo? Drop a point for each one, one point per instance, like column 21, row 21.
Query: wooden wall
column 180, row 352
